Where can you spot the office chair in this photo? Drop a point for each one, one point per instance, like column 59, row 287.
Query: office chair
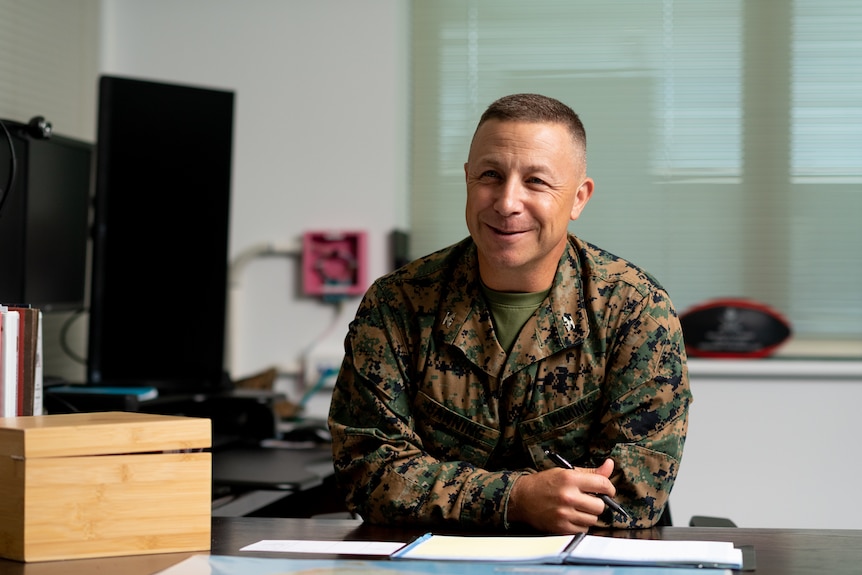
column 665, row 519
column 695, row 521
column 709, row 521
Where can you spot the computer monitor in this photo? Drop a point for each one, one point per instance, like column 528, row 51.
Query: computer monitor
column 160, row 246
column 44, row 219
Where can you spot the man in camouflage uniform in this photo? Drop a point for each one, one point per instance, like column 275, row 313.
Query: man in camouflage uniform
column 463, row 367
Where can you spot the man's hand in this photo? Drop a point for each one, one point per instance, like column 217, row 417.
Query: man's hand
column 561, row 500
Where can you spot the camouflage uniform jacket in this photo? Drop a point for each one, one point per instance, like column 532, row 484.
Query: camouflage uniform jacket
column 432, row 421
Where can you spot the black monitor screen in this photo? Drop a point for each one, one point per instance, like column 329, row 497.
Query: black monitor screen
column 160, row 253
column 44, row 222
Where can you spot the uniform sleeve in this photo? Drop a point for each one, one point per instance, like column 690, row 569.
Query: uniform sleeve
column 380, row 463
column 647, row 418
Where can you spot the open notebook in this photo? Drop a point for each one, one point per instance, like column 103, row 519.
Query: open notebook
column 574, row 549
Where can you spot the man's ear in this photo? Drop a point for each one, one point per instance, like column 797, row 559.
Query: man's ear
column 582, row 196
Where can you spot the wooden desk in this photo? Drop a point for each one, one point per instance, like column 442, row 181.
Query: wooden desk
column 261, row 481
column 263, row 468
column 779, row 551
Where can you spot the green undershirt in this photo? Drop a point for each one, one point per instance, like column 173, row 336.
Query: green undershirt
column 510, row 311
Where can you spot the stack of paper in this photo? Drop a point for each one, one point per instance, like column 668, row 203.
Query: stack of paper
column 574, row 549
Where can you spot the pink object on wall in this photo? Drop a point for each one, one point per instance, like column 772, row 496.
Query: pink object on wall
column 334, row 263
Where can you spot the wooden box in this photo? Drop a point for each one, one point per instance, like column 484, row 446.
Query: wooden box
column 104, row 484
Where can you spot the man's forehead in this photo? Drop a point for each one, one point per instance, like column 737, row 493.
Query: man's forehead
column 497, row 140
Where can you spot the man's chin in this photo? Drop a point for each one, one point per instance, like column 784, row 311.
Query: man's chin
column 505, row 259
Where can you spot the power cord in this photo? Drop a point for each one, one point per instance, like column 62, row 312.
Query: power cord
column 38, row 128
column 13, row 166
column 325, row 374
column 64, row 337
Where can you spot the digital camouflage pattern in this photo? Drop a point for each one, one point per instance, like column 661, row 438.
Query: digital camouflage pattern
column 432, row 422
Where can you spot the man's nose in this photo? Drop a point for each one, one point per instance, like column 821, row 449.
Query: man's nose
column 510, row 197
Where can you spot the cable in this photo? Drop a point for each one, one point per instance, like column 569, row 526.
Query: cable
column 237, row 267
column 64, row 336
column 338, row 307
column 13, row 167
column 325, row 374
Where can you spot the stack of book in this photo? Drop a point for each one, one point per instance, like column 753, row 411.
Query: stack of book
column 21, row 376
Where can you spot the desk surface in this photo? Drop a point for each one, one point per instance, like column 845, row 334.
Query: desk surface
column 272, row 468
column 779, row 551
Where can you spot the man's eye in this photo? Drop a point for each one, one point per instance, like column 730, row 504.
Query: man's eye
column 535, row 181
column 491, row 174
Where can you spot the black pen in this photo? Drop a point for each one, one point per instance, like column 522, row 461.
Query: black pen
column 559, row 461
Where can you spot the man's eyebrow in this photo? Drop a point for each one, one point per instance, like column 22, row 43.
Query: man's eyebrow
column 529, row 169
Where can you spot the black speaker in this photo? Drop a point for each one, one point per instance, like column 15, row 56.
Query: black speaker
column 44, row 219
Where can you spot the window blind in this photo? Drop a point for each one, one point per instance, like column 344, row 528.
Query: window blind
column 724, row 137
column 49, row 56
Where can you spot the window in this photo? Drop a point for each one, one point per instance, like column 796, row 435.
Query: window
column 49, row 55
column 725, row 138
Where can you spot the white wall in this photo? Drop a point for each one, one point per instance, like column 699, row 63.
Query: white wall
column 772, row 443
column 321, row 137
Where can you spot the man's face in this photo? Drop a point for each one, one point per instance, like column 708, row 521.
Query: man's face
column 525, row 182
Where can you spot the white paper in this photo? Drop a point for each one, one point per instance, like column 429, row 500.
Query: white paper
column 589, row 549
column 650, row 551
column 194, row 565
column 325, row 547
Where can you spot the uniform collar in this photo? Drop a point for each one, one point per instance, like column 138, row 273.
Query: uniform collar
column 464, row 319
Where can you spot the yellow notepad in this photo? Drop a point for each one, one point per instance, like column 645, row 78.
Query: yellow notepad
column 538, row 549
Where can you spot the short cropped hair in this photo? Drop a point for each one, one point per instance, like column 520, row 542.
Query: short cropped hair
column 536, row 108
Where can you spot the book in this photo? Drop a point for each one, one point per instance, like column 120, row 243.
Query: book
column 574, row 549
column 141, row 393
column 23, row 328
column 28, row 332
column 9, row 333
column 38, row 371
column 527, row 549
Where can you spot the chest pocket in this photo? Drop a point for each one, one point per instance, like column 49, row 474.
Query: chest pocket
column 566, row 429
column 448, row 435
